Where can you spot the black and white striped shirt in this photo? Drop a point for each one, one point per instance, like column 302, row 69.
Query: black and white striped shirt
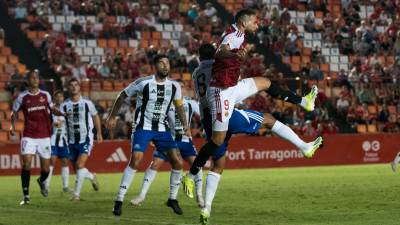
column 191, row 108
column 153, row 100
column 79, row 120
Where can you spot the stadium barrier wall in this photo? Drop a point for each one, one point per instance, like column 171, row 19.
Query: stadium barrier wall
column 244, row 152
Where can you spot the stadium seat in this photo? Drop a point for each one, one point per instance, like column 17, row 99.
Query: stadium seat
column 361, row 128
column 1, row 43
column 95, row 85
column 107, row 85
column 5, row 124
column 19, row 125
column 13, row 59
column 2, row 86
column 20, row 115
column 392, row 109
column 186, row 76
column 4, row 106
column 3, row 136
column 102, row 43
column 372, row 109
column 5, row 51
column 112, row 43
column 118, row 85
column 372, row 128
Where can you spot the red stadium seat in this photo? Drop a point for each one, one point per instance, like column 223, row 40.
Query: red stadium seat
column 3, row 136
column 361, row 128
column 4, row 106
column 372, row 128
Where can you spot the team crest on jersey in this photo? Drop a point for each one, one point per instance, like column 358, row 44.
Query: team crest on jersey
column 41, row 99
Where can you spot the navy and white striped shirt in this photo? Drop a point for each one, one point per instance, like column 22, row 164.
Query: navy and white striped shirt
column 191, row 108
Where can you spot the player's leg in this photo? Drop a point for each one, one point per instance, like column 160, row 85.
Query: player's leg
column 26, row 176
column 175, row 179
column 212, row 182
column 188, row 153
column 140, row 141
column 65, row 173
column 53, row 161
column 264, row 84
column 395, row 161
column 149, row 175
column 44, row 151
column 81, row 171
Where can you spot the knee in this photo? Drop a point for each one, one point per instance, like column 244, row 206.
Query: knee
column 218, row 139
column 269, row 120
column 177, row 163
column 26, row 166
column 217, row 169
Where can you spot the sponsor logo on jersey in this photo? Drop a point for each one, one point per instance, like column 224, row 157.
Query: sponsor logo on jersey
column 41, row 99
column 153, row 91
column 117, row 156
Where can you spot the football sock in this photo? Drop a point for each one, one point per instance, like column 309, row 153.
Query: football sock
column 397, row 159
column 205, row 152
column 80, row 176
column 88, row 174
column 25, row 178
column 48, row 180
column 198, row 182
column 211, row 188
column 43, row 176
column 149, row 176
column 65, row 176
column 174, row 183
column 288, row 134
column 277, row 92
column 126, row 181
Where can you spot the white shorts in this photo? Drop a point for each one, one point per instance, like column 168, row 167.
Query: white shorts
column 222, row 101
column 40, row 146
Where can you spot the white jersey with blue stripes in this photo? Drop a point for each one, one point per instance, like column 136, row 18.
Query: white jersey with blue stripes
column 201, row 77
column 79, row 121
column 191, row 108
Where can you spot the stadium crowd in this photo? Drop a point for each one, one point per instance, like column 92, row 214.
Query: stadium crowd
column 369, row 80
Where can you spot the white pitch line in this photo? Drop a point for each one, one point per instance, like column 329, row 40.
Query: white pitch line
column 87, row 216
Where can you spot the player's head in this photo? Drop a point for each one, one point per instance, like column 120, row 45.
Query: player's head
column 206, row 52
column 32, row 79
column 247, row 18
column 161, row 62
column 74, row 87
column 58, row 97
column 183, row 86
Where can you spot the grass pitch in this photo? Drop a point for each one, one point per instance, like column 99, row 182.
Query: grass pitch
column 340, row 195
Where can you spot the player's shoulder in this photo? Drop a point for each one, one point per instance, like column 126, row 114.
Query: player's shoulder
column 233, row 32
column 143, row 80
column 85, row 99
column 23, row 94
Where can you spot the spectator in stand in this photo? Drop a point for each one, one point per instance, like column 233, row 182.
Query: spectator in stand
column 210, row 11
column 91, row 72
column 79, row 70
column 193, row 13
column 77, row 29
column 308, row 129
column 20, row 12
column 366, row 95
column 384, row 114
column 103, row 70
column 164, row 15
column 342, row 106
column 315, row 72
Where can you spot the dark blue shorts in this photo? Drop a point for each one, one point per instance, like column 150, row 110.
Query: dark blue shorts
column 60, row 152
column 241, row 122
column 186, row 149
column 75, row 150
column 162, row 140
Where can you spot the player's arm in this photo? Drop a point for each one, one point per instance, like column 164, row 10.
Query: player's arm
column 97, row 125
column 111, row 121
column 224, row 51
column 182, row 115
column 56, row 111
column 15, row 108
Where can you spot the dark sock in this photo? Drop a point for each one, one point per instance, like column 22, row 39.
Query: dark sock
column 25, row 178
column 277, row 92
column 43, row 176
column 205, row 152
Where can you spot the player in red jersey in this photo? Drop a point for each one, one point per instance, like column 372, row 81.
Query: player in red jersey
column 35, row 105
column 225, row 90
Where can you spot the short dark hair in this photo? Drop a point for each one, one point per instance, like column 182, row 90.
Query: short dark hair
column 158, row 57
column 30, row 73
column 73, row 80
column 206, row 51
column 58, row 92
column 242, row 13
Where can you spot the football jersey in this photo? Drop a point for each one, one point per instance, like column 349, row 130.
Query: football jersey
column 226, row 71
column 153, row 100
column 36, row 110
column 191, row 108
column 201, row 77
column 59, row 136
column 79, row 121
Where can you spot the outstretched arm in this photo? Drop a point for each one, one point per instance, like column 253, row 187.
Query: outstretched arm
column 110, row 122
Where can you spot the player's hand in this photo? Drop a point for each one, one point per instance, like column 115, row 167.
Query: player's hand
column 99, row 137
column 12, row 130
column 187, row 132
column 111, row 122
column 242, row 53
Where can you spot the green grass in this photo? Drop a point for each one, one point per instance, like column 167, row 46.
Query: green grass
column 290, row 196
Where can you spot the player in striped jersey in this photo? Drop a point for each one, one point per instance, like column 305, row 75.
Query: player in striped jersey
column 81, row 116
column 59, row 145
column 242, row 121
column 185, row 145
column 154, row 96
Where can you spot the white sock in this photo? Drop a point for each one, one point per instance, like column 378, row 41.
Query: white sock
column 65, row 176
column 89, row 175
column 80, row 176
column 47, row 182
column 198, row 181
column 149, row 176
column 126, row 181
column 174, row 183
column 211, row 188
column 396, row 160
column 303, row 102
column 288, row 134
